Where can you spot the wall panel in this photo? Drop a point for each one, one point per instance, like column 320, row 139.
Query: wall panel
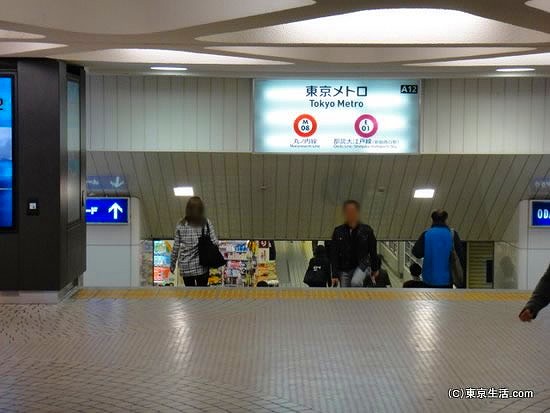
column 254, row 196
column 161, row 113
column 486, row 116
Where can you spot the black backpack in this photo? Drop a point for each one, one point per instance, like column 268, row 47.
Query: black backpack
column 209, row 253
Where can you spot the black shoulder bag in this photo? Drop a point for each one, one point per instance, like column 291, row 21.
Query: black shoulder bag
column 209, row 253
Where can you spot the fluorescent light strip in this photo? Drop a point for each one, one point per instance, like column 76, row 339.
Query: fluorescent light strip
column 424, row 193
column 515, row 69
column 169, row 68
column 184, row 191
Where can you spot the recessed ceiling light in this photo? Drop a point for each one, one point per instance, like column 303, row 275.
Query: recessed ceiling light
column 169, row 68
column 424, row 193
column 184, row 191
column 515, row 69
column 543, row 5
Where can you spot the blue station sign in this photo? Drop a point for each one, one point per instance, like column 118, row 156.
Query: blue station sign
column 107, row 210
column 540, row 213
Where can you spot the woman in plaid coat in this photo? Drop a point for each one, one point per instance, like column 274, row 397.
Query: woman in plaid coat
column 186, row 240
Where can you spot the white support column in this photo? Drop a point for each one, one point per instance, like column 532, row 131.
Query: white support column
column 114, row 252
column 524, row 254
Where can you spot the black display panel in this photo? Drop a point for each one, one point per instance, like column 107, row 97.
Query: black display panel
column 73, row 151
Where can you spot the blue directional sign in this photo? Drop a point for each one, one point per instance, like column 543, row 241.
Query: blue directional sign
column 540, row 213
column 107, row 210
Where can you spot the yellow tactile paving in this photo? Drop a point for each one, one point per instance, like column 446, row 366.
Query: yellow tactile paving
column 298, row 294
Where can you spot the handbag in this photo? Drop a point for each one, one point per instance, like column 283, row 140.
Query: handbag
column 455, row 265
column 315, row 276
column 209, row 253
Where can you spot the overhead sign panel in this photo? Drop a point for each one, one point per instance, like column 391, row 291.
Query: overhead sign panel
column 540, row 213
column 113, row 184
column 107, row 210
column 336, row 116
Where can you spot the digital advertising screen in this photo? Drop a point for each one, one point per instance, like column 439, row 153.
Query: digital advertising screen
column 6, row 152
column 336, row 116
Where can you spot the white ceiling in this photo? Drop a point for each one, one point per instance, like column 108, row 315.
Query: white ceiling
column 127, row 17
column 429, row 38
column 294, row 197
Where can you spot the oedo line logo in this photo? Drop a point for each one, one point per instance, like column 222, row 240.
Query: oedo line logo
column 305, row 125
column 366, row 126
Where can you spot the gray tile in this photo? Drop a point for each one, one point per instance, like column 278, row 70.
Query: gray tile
column 310, row 355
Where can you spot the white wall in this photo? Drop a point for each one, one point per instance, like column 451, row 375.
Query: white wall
column 524, row 256
column 113, row 252
column 498, row 115
column 169, row 113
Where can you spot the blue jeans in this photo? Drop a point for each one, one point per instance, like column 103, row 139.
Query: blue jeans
column 355, row 278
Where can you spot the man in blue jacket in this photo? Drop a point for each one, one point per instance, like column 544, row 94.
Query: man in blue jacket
column 435, row 246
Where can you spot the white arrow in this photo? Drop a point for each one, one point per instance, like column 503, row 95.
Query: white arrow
column 115, row 209
column 93, row 182
column 92, row 210
column 117, row 182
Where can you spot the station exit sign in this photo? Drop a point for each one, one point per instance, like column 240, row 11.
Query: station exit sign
column 107, row 211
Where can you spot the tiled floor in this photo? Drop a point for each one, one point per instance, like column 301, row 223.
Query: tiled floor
column 272, row 350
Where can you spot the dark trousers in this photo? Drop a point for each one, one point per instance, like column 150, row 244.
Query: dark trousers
column 196, row 281
column 318, row 285
column 438, row 286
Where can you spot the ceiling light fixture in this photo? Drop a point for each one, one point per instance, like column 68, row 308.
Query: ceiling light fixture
column 424, row 193
column 184, row 191
column 169, row 68
column 515, row 69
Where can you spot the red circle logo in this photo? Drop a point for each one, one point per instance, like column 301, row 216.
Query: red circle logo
column 305, row 125
column 366, row 126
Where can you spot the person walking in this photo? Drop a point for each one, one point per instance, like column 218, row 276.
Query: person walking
column 435, row 246
column 416, row 271
column 186, row 244
column 539, row 299
column 352, row 247
column 318, row 271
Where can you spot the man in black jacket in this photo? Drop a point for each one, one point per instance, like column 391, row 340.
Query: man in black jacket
column 353, row 248
column 539, row 299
